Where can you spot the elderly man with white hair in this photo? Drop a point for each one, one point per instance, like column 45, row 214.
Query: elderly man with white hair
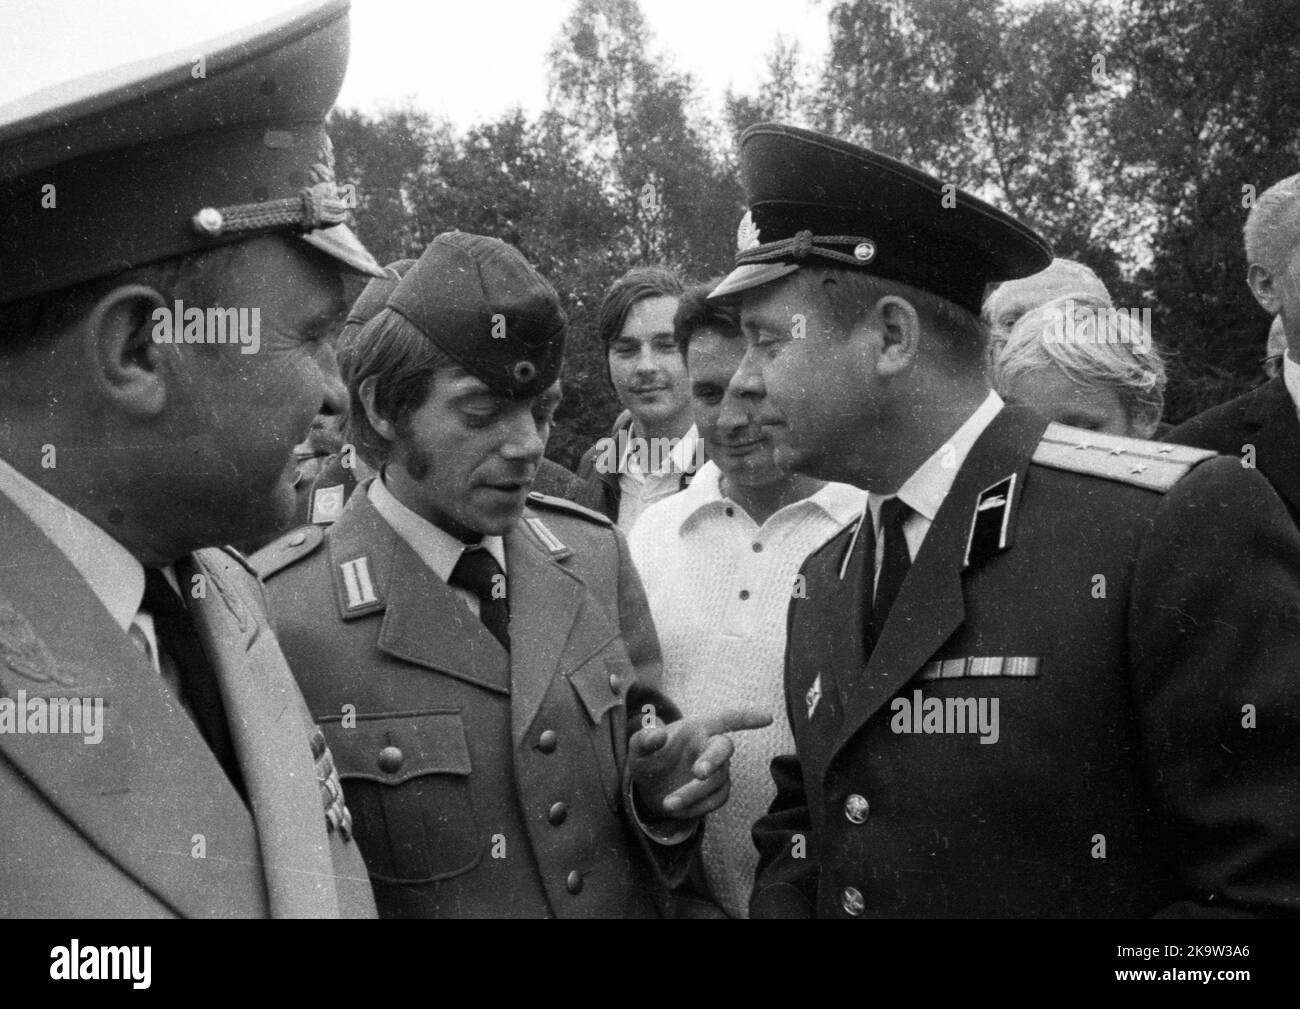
column 1262, row 427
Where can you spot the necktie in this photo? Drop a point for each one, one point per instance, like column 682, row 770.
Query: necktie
column 178, row 638
column 478, row 571
column 894, row 565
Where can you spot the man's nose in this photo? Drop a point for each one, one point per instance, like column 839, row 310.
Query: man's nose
column 747, row 381
column 524, row 438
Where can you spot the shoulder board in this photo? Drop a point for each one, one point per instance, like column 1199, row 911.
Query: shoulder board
column 1154, row 465
column 239, row 559
column 288, row 549
column 560, row 504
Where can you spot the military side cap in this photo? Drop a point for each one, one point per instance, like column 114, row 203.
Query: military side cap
column 176, row 154
column 482, row 304
column 815, row 200
column 374, row 298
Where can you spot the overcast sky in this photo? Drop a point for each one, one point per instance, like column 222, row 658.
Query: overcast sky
column 468, row 60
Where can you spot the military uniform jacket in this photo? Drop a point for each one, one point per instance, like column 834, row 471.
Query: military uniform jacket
column 145, row 823
column 481, row 783
column 1134, row 608
column 1260, row 427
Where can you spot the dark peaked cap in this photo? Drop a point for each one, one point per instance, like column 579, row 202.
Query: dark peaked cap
column 149, row 162
column 815, row 200
column 482, row 303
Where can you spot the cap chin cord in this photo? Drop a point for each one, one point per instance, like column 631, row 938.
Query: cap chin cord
column 319, row 206
column 804, row 243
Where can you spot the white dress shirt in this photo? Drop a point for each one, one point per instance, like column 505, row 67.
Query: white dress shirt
column 639, row 488
column 925, row 490
column 111, row 571
column 436, row 547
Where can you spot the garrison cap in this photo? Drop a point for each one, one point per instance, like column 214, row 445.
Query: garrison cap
column 482, row 303
column 815, row 200
column 374, row 298
column 176, row 154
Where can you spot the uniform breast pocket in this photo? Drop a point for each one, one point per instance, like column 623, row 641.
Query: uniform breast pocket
column 600, row 684
column 406, row 780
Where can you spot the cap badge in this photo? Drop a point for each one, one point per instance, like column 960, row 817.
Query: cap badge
column 747, row 233
column 864, row 252
column 525, row 371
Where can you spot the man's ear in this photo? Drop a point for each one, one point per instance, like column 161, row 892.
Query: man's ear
column 900, row 334
column 382, row 426
column 125, row 362
column 1263, row 288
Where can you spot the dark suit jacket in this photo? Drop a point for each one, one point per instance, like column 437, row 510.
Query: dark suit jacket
column 1125, row 780
column 459, row 818
column 145, row 823
column 1264, row 418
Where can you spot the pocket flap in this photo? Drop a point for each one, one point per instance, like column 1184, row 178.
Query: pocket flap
column 392, row 748
column 600, row 683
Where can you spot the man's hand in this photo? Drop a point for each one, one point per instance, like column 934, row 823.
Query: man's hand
column 682, row 770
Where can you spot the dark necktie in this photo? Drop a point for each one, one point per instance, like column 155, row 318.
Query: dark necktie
column 478, row 571
column 893, row 568
column 200, row 693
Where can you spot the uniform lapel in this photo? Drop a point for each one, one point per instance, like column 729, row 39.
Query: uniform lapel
column 274, row 750
column 930, row 607
column 425, row 621
column 545, row 599
column 1273, row 426
column 150, row 795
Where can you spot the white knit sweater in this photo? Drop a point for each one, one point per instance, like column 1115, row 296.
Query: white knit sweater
column 719, row 587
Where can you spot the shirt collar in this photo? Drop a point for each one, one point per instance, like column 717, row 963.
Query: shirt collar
column 1291, row 377
column 111, row 571
column 436, row 547
column 681, row 459
column 924, row 491
column 840, row 501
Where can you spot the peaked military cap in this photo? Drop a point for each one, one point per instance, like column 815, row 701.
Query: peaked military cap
column 817, row 200
column 482, row 303
column 175, row 154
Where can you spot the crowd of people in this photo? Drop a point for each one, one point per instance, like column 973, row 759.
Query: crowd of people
column 888, row 593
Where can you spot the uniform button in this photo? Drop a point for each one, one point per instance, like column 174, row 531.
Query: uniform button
column 758, row 548
column 852, row 901
column 856, row 808
column 547, row 741
column 573, row 882
column 297, row 539
column 558, row 814
column 731, row 512
column 614, row 682
column 390, row 759
column 744, row 593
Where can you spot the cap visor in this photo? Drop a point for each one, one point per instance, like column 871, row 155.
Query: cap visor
column 742, row 278
column 340, row 243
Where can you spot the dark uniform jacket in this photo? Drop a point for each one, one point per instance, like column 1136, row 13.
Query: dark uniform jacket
column 145, row 823
column 1135, row 610
column 1264, row 418
column 482, row 783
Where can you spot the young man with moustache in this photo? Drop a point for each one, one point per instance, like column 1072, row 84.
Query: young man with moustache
column 1140, row 648
column 126, row 463
column 482, row 659
column 718, row 562
column 652, row 450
